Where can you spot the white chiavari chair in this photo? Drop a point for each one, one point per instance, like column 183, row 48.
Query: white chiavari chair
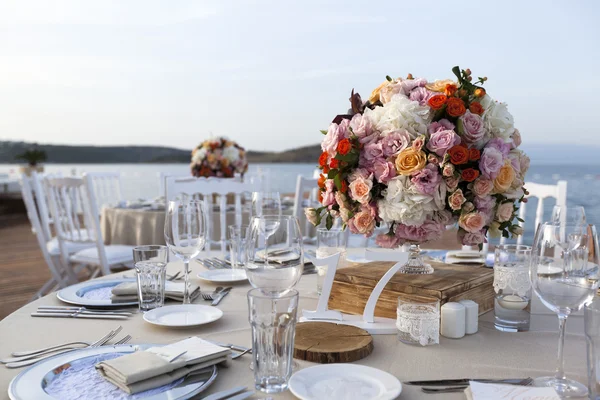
column 541, row 192
column 76, row 220
column 107, row 186
column 214, row 192
column 58, row 279
column 306, row 186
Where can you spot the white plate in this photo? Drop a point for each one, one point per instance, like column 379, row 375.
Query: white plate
column 466, row 254
column 223, row 275
column 344, row 382
column 94, row 293
column 33, row 382
column 183, row 315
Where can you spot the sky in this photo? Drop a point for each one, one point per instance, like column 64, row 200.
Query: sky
column 271, row 74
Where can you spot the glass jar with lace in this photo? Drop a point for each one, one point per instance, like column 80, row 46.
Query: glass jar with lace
column 418, row 322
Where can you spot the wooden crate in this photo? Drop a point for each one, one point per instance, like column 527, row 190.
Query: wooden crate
column 353, row 285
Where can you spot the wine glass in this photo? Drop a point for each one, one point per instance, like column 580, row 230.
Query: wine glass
column 564, row 215
column 564, row 275
column 185, row 234
column 266, row 203
column 282, row 246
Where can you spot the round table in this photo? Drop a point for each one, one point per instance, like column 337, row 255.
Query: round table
column 486, row 354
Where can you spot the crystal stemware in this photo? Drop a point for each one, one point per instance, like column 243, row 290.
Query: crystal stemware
column 564, row 275
column 564, row 215
column 185, row 234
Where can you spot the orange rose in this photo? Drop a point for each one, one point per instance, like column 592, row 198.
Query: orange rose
column 321, row 181
column 334, row 163
column 469, row 174
column 458, row 155
column 344, row 146
column 474, row 154
column 476, row 108
column 450, row 89
column 323, row 159
column 479, row 92
column 320, row 197
column 410, row 161
column 437, row 101
column 455, row 107
column 344, row 187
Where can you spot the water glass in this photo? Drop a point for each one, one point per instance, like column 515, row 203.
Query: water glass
column 329, row 242
column 512, row 286
column 273, row 322
column 151, row 270
column 237, row 245
column 418, row 322
column 592, row 336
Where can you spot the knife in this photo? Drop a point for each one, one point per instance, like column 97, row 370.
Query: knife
column 230, row 346
column 225, row 393
column 72, row 308
column 86, row 312
column 75, row 315
column 222, row 294
column 465, row 381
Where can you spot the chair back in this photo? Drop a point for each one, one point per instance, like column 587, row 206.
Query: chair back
column 542, row 192
column 107, row 187
column 28, row 193
column 214, row 193
column 76, row 216
column 36, row 183
column 304, row 186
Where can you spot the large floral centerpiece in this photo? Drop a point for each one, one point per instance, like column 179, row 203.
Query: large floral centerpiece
column 218, row 157
column 418, row 156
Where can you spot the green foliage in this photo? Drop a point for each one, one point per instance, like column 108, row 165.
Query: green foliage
column 32, row 156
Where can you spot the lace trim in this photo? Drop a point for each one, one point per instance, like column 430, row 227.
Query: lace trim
column 421, row 322
column 515, row 279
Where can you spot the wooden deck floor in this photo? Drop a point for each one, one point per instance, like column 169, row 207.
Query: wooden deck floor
column 23, row 270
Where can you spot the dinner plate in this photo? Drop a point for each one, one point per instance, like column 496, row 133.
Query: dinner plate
column 73, row 376
column 94, row 293
column 183, row 315
column 344, row 382
column 223, row 275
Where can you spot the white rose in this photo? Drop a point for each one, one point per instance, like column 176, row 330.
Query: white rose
column 498, row 121
column 231, row 153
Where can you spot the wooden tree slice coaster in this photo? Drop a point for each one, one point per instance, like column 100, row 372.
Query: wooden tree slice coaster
column 325, row 342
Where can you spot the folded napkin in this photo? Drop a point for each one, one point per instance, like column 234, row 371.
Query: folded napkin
column 128, row 291
column 158, row 366
column 494, row 391
column 465, row 257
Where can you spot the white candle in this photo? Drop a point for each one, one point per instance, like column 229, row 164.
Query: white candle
column 471, row 316
column 513, row 302
column 453, row 320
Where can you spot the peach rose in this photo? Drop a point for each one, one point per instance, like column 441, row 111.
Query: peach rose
column 482, row 187
column 505, row 178
column 374, row 98
column 451, row 182
column 360, row 190
column 456, row 200
column 505, row 212
column 472, row 222
column 311, row 215
column 364, row 223
column 440, row 86
column 448, row 170
column 410, row 161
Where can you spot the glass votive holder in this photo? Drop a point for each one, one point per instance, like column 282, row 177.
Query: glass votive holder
column 418, row 322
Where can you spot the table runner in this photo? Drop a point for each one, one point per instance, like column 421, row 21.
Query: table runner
column 489, row 353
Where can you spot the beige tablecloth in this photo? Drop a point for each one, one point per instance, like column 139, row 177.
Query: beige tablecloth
column 489, row 353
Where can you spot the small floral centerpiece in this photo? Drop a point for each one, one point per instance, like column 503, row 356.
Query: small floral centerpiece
column 418, row 156
column 218, row 157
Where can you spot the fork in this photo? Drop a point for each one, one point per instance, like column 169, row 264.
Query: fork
column 57, row 347
column 124, row 340
column 25, row 361
column 461, row 388
column 207, row 296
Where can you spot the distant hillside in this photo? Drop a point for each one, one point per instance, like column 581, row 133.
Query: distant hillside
column 62, row 154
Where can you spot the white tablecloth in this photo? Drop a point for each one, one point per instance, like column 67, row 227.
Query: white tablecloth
column 489, row 353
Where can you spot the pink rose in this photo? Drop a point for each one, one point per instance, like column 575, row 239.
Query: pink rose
column 311, row 215
column 442, row 125
column 486, row 206
column 363, row 223
column 471, row 238
column 451, row 183
column 360, row 190
column 427, row 231
column 516, row 138
column 395, row 142
column 482, row 187
column 456, row 200
column 358, row 173
column 505, row 212
column 363, row 128
column 490, row 162
column 420, row 95
column 331, row 140
column 441, row 141
column 418, row 143
column 448, row 170
column 371, row 153
column 384, row 171
column 433, row 159
column 471, row 128
column 386, row 241
column 329, row 196
column 472, row 222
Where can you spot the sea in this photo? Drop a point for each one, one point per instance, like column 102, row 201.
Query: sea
column 141, row 181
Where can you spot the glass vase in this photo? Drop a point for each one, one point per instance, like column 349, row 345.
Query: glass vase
column 415, row 264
